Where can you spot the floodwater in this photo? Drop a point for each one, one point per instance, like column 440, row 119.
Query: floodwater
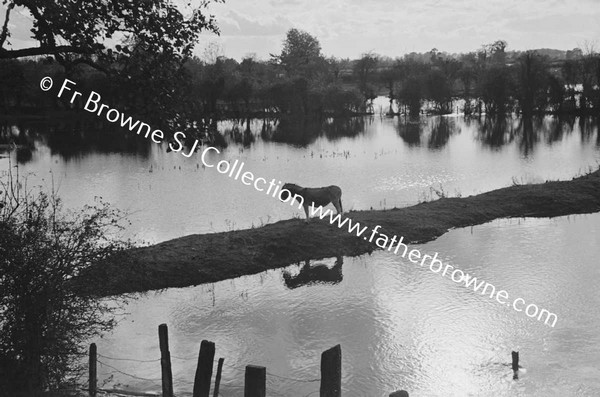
column 400, row 326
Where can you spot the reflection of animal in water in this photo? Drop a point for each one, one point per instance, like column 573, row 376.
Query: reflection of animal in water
column 319, row 273
column 320, row 196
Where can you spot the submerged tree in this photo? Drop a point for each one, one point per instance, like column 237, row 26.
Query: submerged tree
column 532, row 83
column 390, row 76
column 590, row 80
column 467, row 75
column 495, row 87
column 411, row 94
column 44, row 315
column 439, row 90
column 364, row 70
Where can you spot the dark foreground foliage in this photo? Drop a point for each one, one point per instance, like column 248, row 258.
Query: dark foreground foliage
column 43, row 316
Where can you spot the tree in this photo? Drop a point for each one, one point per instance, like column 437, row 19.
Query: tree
column 494, row 82
column 411, row 91
column 300, row 51
column 590, row 79
column 556, row 93
column 532, row 83
column 364, row 68
column 439, row 90
column 495, row 51
column 151, row 41
column 389, row 76
column 467, row 74
column 46, row 315
column 495, row 86
column 337, row 66
column 411, row 94
column 212, row 52
column 571, row 71
column 85, row 26
column 305, row 72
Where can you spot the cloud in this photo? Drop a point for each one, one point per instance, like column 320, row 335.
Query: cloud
column 235, row 24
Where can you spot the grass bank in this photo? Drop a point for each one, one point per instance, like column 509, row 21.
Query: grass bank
column 206, row 258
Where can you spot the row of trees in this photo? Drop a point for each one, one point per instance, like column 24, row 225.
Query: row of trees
column 497, row 82
column 301, row 81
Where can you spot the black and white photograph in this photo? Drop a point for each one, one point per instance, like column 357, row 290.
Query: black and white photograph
column 299, row 198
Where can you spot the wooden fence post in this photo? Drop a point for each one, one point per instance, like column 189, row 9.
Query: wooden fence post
column 93, row 367
column 515, row 361
column 255, row 382
column 204, row 369
column 399, row 393
column 165, row 361
column 218, row 377
column 331, row 372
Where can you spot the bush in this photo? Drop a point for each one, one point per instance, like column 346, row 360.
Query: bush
column 44, row 317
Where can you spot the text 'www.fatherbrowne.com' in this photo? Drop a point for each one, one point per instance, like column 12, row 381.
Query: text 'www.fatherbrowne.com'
column 397, row 246
column 94, row 105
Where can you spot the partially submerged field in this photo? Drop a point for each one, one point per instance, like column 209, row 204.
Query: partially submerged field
column 206, row 258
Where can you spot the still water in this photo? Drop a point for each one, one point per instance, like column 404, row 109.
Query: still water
column 400, row 326
column 378, row 163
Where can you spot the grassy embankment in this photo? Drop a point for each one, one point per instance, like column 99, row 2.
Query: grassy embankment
column 213, row 257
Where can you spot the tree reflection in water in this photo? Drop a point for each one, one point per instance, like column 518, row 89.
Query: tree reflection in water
column 435, row 130
column 304, row 131
column 410, row 130
column 79, row 137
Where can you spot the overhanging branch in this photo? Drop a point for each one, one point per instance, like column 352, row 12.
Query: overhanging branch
column 12, row 54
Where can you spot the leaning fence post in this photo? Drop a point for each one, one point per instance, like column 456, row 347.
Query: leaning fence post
column 255, row 382
column 218, row 377
column 93, row 367
column 331, row 372
column 204, row 369
column 165, row 361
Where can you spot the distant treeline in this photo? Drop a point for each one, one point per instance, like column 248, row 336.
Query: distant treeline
column 300, row 81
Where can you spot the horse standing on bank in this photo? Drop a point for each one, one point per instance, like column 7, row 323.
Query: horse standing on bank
column 316, row 197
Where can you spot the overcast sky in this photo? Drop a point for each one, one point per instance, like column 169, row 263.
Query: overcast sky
column 348, row 28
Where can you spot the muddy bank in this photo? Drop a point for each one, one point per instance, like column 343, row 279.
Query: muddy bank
column 213, row 257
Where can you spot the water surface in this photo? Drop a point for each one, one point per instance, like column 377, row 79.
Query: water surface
column 378, row 162
column 400, row 326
